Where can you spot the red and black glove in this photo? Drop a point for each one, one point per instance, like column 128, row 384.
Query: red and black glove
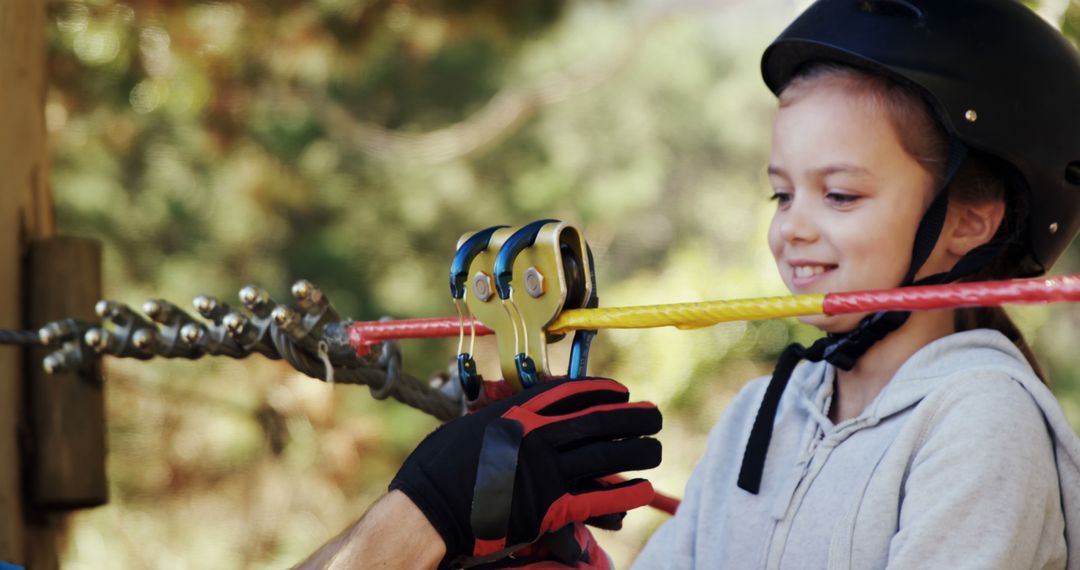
column 500, row 478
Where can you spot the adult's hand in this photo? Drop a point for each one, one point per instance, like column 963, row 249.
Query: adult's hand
column 502, row 477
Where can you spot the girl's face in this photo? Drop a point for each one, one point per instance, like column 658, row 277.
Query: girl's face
column 848, row 196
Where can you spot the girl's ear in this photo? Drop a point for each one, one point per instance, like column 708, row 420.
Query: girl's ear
column 973, row 224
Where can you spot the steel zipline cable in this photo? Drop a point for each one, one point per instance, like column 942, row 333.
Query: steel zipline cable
column 344, row 357
column 20, row 337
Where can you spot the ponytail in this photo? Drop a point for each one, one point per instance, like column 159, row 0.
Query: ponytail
column 983, row 178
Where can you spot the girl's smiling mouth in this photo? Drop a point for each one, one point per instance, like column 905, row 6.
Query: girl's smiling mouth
column 805, row 273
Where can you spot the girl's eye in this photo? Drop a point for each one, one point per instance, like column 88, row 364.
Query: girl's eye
column 782, row 198
column 841, row 199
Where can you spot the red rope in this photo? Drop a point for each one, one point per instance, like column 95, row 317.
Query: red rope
column 928, row 297
column 364, row 335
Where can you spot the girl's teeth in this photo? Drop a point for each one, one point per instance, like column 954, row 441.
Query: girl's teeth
column 809, row 270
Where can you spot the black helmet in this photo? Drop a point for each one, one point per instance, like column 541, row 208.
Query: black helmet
column 1000, row 79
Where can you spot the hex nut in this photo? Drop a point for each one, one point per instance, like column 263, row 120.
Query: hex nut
column 534, row 282
column 483, row 286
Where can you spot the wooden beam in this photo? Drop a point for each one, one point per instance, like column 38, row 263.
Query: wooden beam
column 25, row 213
column 65, row 411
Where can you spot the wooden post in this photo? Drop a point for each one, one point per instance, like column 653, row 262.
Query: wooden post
column 25, row 213
column 65, row 461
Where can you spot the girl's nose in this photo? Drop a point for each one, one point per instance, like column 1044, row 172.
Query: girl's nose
column 798, row 223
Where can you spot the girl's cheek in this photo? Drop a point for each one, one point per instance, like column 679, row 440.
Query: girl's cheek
column 773, row 238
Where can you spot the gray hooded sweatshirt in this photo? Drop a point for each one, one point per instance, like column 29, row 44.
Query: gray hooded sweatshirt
column 964, row 460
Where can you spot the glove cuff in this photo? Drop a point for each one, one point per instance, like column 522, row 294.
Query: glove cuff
column 439, row 514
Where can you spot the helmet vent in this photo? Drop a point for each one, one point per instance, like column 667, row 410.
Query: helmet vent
column 1072, row 173
column 892, row 8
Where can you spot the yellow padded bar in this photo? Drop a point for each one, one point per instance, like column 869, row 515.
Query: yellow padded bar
column 687, row 315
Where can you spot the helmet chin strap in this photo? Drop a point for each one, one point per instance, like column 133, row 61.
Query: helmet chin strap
column 843, row 350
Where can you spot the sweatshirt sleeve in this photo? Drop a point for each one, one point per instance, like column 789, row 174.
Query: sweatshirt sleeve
column 982, row 489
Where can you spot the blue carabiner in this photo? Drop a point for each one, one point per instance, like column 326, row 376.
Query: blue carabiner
column 579, row 350
column 470, row 379
column 526, row 370
column 515, row 244
column 459, row 268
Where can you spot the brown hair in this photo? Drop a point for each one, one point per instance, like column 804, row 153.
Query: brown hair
column 982, row 178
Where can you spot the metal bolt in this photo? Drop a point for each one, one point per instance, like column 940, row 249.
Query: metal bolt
column 1054, row 228
column 153, row 309
column 191, row 333
column 534, row 282
column 302, row 289
column 971, row 115
column 96, row 339
column 45, row 335
column 234, row 323
column 204, row 304
column 143, row 339
column 283, row 315
column 483, row 286
column 51, row 364
column 249, row 296
column 103, row 308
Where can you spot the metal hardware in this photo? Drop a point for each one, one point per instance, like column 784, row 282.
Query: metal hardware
column 191, row 333
column 483, row 286
column 234, row 323
column 309, row 335
column 143, row 339
column 153, row 309
column 534, row 282
column 96, row 339
column 205, row 305
column 519, row 321
column 303, row 290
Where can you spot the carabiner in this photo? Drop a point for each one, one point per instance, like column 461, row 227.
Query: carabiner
column 579, row 350
column 470, row 379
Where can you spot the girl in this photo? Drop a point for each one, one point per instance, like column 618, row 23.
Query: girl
column 916, row 141
column 923, row 440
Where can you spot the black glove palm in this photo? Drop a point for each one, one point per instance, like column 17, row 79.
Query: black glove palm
column 500, row 478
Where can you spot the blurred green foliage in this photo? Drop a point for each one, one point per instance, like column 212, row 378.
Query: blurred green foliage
column 350, row 142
